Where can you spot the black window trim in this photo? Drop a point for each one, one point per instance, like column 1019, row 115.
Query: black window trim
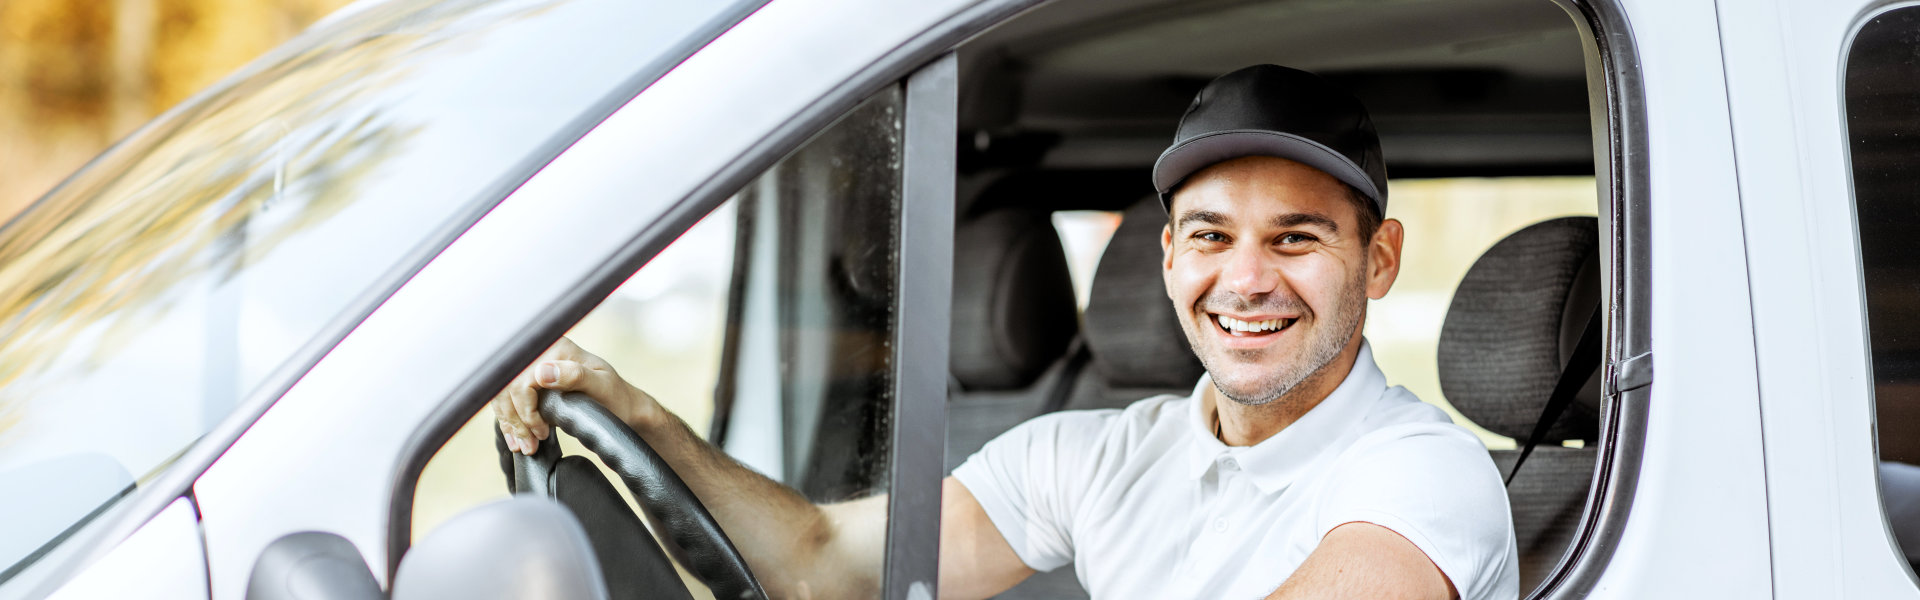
column 922, row 309
column 1618, row 106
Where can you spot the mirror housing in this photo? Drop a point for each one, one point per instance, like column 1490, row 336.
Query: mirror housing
column 523, row 547
column 312, row 565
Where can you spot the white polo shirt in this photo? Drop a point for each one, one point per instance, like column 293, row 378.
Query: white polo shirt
column 1147, row 503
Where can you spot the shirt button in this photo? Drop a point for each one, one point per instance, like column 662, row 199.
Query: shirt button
column 1220, row 525
column 1231, row 464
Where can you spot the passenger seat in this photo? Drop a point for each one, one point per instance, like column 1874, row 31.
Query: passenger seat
column 1013, row 319
column 1018, row 351
column 1014, row 331
column 1134, row 343
column 1513, row 324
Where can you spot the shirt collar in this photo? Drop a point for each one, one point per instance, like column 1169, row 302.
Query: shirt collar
column 1275, row 462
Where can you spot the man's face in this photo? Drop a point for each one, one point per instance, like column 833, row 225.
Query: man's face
column 1274, row 246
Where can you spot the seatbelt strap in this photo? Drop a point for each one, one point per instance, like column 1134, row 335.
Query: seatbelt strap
column 1580, row 368
column 1077, row 358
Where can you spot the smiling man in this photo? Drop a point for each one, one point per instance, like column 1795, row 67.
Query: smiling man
column 1291, row 471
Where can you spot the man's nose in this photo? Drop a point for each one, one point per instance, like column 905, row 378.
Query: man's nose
column 1248, row 272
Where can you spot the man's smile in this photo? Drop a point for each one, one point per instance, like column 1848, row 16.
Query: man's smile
column 1250, row 331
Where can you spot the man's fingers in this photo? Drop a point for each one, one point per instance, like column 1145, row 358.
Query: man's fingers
column 506, row 434
column 526, row 406
column 563, row 367
column 565, row 375
column 505, row 415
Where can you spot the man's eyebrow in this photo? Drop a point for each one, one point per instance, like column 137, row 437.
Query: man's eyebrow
column 1204, row 216
column 1291, row 220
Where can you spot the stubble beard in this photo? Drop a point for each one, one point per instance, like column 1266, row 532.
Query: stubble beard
column 1329, row 338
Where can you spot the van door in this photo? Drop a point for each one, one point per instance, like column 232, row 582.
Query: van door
column 1791, row 85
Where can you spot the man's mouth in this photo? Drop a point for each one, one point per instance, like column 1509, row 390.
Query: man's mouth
column 1252, row 328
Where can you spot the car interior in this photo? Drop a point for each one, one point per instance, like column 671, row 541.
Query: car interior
column 1066, row 108
column 1062, row 112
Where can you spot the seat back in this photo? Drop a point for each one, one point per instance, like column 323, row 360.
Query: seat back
column 1134, row 341
column 1512, row 326
column 1013, row 320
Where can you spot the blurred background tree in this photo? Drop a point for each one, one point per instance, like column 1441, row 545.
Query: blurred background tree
column 78, row 75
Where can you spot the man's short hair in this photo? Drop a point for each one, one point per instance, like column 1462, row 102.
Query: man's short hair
column 1366, row 212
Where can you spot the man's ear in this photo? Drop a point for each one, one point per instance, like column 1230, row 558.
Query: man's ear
column 1383, row 258
column 1166, row 258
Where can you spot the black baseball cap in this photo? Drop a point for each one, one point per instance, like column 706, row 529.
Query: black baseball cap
column 1269, row 110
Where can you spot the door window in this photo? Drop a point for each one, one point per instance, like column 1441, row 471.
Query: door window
column 1882, row 94
column 767, row 327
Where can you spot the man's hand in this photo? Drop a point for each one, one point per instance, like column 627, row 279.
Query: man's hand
column 795, row 548
column 566, row 367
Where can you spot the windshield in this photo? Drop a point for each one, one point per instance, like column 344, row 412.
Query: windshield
column 170, row 280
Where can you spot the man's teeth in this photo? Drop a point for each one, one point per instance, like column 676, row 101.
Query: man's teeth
column 1232, row 324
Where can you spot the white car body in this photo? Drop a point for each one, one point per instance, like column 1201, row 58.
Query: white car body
column 1752, row 472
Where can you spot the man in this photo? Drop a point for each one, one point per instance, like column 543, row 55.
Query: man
column 1292, row 471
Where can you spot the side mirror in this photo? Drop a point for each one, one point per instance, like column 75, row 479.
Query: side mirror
column 524, row 547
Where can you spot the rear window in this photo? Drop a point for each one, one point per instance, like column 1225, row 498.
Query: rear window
column 168, row 282
column 1882, row 94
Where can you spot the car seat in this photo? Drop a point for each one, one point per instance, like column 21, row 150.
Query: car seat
column 1014, row 331
column 1135, row 345
column 1013, row 319
column 1513, row 325
column 1018, row 352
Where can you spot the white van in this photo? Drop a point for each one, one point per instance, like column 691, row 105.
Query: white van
column 246, row 353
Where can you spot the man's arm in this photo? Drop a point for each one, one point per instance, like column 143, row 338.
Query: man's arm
column 797, row 549
column 1364, row 560
column 975, row 560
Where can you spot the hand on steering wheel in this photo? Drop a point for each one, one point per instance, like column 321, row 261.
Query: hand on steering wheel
column 566, row 367
column 691, row 534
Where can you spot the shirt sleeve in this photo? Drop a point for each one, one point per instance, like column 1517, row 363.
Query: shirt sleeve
column 1435, row 485
column 1017, row 478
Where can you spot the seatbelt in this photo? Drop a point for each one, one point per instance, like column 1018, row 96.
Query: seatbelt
column 1580, row 368
column 1077, row 358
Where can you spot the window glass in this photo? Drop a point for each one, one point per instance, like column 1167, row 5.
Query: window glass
column 1882, row 94
column 767, row 326
column 663, row 326
column 147, row 296
column 1449, row 224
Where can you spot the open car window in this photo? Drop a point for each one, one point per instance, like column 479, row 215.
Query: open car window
column 766, row 327
column 1485, row 122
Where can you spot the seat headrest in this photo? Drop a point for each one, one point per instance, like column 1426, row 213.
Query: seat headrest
column 1514, row 323
column 1132, row 332
column 1013, row 307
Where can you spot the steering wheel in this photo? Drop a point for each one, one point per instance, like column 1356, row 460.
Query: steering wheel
column 690, row 532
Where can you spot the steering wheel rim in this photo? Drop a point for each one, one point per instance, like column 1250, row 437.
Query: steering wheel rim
column 690, row 533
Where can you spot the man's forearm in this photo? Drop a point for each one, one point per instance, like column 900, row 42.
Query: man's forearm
column 796, row 549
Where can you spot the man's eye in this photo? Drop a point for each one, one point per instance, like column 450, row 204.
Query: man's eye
column 1295, row 238
column 1212, row 236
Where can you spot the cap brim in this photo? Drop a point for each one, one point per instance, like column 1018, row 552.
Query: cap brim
column 1183, row 160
